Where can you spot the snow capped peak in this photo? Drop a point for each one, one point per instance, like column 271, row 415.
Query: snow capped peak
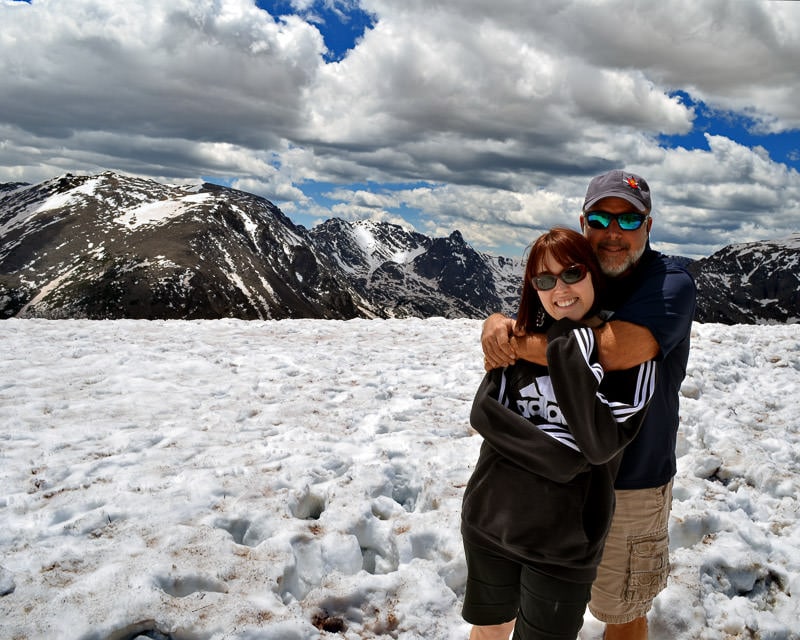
column 383, row 242
column 159, row 211
column 70, row 197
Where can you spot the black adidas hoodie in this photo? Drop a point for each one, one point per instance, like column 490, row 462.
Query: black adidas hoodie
column 542, row 491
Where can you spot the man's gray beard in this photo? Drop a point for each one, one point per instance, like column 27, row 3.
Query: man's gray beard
column 618, row 269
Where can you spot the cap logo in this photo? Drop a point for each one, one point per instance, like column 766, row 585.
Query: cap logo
column 632, row 182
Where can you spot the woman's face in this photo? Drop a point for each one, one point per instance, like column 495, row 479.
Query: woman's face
column 571, row 301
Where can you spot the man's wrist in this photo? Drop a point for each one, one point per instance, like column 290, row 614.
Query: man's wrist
column 532, row 347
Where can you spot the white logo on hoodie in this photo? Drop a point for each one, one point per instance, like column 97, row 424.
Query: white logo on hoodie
column 539, row 399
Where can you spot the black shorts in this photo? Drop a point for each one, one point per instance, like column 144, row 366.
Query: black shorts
column 499, row 590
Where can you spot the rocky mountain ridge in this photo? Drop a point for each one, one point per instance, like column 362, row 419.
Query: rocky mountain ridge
column 112, row 246
column 750, row 283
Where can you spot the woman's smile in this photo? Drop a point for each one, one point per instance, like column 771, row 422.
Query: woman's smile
column 565, row 303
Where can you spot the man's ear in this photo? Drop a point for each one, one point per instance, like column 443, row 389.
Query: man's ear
column 649, row 224
column 583, row 227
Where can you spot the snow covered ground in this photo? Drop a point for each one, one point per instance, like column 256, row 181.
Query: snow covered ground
column 302, row 479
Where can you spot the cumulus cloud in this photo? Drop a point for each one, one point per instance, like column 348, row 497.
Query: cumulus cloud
column 201, row 71
column 504, row 108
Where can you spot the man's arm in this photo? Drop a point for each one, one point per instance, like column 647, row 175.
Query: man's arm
column 621, row 345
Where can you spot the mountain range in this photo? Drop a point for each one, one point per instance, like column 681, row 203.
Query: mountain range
column 750, row 283
column 111, row 246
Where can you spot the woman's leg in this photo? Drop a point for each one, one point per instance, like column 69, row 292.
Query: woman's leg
column 550, row 609
column 491, row 599
column 492, row 632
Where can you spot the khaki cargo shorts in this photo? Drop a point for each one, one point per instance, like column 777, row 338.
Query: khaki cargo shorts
column 635, row 561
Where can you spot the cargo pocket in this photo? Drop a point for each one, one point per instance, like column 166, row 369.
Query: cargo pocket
column 649, row 566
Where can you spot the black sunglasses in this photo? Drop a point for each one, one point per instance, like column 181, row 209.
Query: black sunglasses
column 570, row 275
column 626, row 221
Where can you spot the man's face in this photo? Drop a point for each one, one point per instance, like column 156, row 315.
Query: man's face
column 617, row 250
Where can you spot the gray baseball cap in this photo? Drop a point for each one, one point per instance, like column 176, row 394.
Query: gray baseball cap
column 619, row 184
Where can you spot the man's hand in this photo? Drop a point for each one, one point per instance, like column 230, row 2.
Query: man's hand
column 498, row 342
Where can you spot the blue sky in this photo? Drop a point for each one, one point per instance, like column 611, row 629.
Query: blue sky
column 340, row 27
column 783, row 147
column 487, row 117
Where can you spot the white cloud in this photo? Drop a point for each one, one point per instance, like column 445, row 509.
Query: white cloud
column 505, row 107
column 221, row 71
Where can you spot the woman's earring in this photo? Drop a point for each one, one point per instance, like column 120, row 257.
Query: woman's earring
column 540, row 317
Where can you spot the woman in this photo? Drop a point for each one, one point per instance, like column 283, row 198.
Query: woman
column 539, row 503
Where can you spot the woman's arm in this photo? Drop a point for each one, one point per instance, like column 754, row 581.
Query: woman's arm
column 602, row 421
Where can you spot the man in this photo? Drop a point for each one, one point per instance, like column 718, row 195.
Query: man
column 653, row 300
